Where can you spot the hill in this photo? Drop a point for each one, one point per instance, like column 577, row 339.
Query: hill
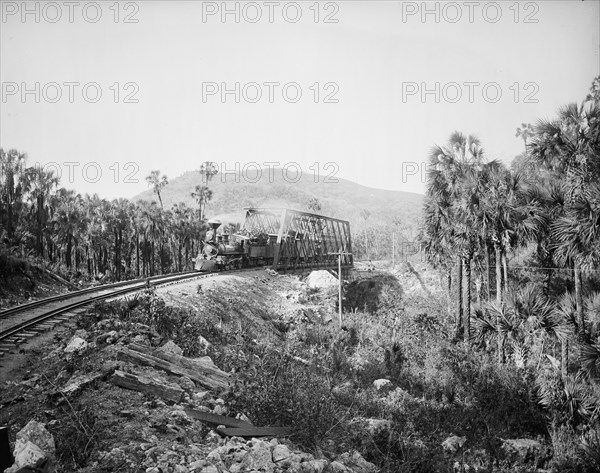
column 342, row 199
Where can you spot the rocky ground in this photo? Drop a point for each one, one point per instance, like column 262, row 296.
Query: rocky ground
column 124, row 390
column 70, row 391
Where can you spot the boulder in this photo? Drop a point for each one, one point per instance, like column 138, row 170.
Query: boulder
column 320, row 279
column 355, row 462
column 170, row 348
column 108, row 337
column 313, row 466
column 453, row 444
column 36, row 433
column 34, row 443
column 381, row 383
column 280, row 452
column 258, row 458
column 337, row 467
column 76, row 344
column 204, row 344
column 26, row 454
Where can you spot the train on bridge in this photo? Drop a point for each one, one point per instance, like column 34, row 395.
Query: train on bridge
column 283, row 239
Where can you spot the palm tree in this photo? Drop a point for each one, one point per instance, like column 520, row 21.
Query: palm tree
column 12, row 166
column 39, row 184
column 576, row 238
column 450, row 167
column 525, row 131
column 314, row 205
column 569, row 148
column 203, row 195
column 157, row 183
column 68, row 221
column 208, row 170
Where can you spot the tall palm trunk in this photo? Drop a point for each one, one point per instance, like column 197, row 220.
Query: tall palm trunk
column 137, row 254
column 68, row 252
column 581, row 333
column 459, row 290
column 40, row 227
column 487, row 271
column 564, row 357
column 449, row 288
column 505, row 267
column 498, row 255
column 467, row 301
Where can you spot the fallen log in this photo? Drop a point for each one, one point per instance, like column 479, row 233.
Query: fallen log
column 249, row 432
column 216, row 419
column 145, row 384
column 79, row 382
column 197, row 369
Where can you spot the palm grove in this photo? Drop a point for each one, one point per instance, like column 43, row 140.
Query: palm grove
column 80, row 235
column 541, row 214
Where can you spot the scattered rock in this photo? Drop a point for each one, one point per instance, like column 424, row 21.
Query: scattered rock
column 76, row 344
column 205, row 345
column 170, row 348
column 187, row 384
column 357, row 463
column 209, row 469
column 380, row 383
column 320, row 279
column 280, row 452
column 108, row 337
column 258, row 458
column 453, row 444
column 81, row 333
column 337, row 467
column 34, row 443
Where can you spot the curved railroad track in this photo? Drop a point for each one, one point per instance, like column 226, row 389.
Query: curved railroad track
column 20, row 323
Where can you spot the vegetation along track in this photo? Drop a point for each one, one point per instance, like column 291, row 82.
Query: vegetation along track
column 20, row 323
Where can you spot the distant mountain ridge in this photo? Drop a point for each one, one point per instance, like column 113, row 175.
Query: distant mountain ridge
column 343, row 199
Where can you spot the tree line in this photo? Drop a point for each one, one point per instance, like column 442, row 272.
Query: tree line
column 83, row 235
column 479, row 212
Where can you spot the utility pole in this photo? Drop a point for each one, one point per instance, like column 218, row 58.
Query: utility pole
column 393, row 250
column 339, row 254
column 340, row 288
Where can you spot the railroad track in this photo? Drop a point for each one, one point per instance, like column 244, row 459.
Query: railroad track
column 20, row 323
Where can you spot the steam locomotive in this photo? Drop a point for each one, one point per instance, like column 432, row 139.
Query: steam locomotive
column 222, row 251
column 277, row 237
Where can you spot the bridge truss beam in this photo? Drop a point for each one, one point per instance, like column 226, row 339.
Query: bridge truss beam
column 303, row 240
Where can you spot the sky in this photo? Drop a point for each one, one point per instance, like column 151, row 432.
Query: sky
column 104, row 92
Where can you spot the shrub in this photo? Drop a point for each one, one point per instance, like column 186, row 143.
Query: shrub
column 274, row 389
column 172, row 323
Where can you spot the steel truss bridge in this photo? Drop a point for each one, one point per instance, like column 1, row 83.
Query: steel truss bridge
column 302, row 240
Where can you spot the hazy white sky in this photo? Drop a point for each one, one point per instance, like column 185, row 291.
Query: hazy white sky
column 538, row 55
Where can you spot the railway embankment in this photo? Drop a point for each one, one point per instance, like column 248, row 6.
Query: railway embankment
column 189, row 377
